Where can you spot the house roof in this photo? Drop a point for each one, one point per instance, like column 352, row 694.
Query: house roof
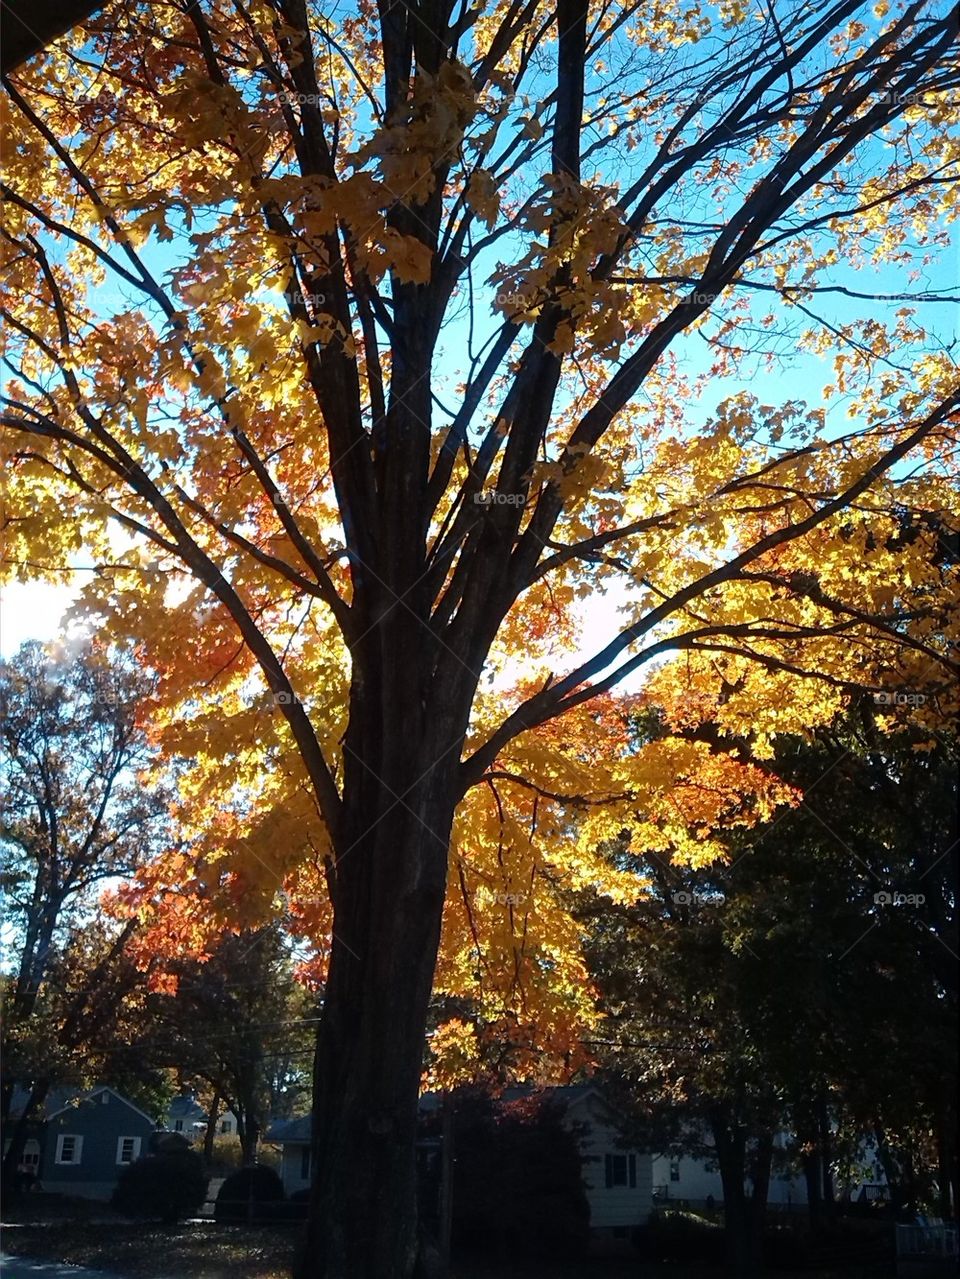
column 55, row 1100
column 185, row 1107
column 291, row 1131
column 79, row 1098
column 296, row 1132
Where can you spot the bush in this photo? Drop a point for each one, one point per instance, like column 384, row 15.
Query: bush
column 297, row 1206
column 679, row 1238
column 167, row 1187
column 227, row 1155
column 517, row 1184
column 259, row 1187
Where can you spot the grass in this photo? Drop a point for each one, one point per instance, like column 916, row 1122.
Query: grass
column 212, row 1251
column 247, row 1252
column 160, row 1252
column 95, row 1237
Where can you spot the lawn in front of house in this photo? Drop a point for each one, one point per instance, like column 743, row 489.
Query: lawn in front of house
column 215, row 1251
column 138, row 1251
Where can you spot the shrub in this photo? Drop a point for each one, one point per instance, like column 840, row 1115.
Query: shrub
column 258, row 1187
column 298, row 1205
column 517, row 1181
column 295, row 1208
column 227, row 1155
column 167, row 1187
column 679, row 1238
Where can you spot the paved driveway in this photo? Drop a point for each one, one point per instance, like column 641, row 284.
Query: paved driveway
column 24, row 1268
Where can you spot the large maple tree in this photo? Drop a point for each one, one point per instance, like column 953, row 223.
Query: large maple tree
column 359, row 350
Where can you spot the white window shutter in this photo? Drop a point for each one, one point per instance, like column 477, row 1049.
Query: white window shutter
column 132, row 1144
column 76, row 1148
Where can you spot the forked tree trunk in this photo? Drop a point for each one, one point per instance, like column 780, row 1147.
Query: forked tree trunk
column 743, row 1214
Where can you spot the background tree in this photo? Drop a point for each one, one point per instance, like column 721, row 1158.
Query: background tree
column 265, row 409
column 778, row 990
column 77, row 814
column 859, row 884
column 240, row 1023
column 681, row 1040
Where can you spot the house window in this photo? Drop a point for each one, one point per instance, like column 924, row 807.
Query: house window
column 305, row 1164
column 674, row 1169
column 226, row 1126
column 616, row 1170
column 128, row 1148
column 69, row 1149
column 178, row 1125
column 621, row 1170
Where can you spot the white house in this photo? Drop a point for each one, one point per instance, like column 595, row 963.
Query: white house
column 618, row 1181
column 695, row 1180
column 185, row 1115
column 293, row 1137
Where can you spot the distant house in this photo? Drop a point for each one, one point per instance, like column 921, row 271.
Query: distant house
column 293, row 1138
column 82, row 1142
column 695, row 1181
column 185, row 1115
column 618, row 1181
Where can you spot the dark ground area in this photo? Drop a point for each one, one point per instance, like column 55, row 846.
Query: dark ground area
column 86, row 1234
column 212, row 1251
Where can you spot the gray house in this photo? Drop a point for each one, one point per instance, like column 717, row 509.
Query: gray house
column 88, row 1141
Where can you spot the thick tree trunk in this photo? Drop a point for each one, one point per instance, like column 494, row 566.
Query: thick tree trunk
column 761, row 1162
column 211, row 1130
column 825, row 1147
column 812, row 1177
column 19, row 1135
column 744, row 1215
column 249, row 1134
column 390, row 886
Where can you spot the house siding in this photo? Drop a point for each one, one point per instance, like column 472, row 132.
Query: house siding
column 595, row 1125
column 100, row 1119
column 186, row 1111
column 610, row 1206
column 291, row 1166
column 700, row 1179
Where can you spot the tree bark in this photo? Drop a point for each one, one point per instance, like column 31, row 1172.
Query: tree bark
column 249, row 1133
column 211, row 1130
column 825, row 1150
column 389, row 888
column 814, row 1183
column 19, row 1136
column 744, row 1215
